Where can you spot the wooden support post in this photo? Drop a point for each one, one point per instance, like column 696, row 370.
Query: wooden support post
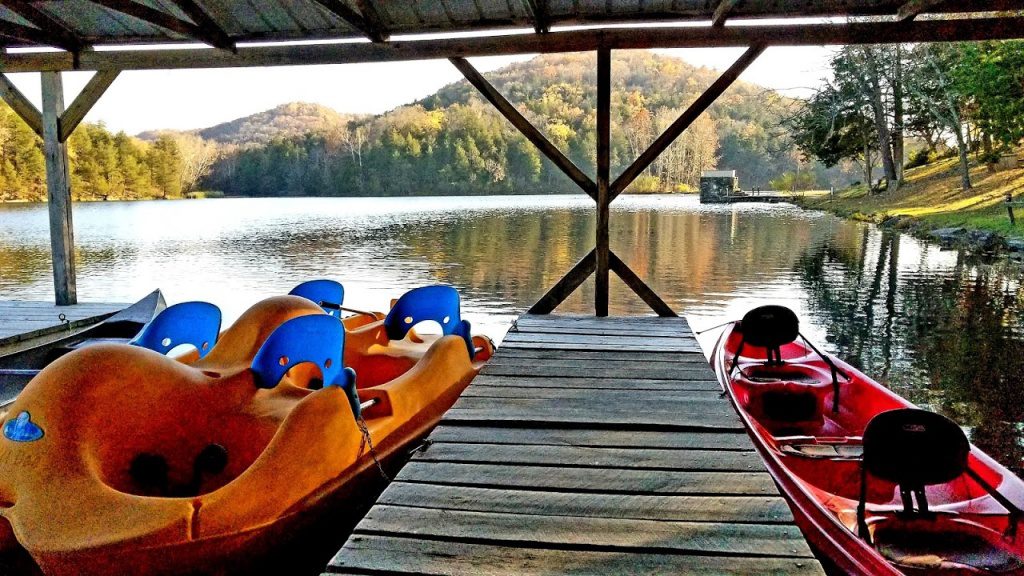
column 567, row 285
column 1009, row 208
column 639, row 287
column 58, row 191
column 604, row 65
column 523, row 125
column 20, row 104
column 685, row 119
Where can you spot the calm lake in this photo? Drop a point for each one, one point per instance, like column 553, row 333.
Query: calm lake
column 943, row 329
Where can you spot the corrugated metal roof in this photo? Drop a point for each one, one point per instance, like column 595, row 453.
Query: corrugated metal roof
column 76, row 24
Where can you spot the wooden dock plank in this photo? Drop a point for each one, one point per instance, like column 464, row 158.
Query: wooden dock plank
column 694, row 415
column 25, row 320
column 669, row 507
column 621, row 393
column 591, row 446
column 545, row 530
column 587, row 457
column 390, row 555
column 583, row 356
column 660, row 371
column 595, row 438
column 588, row 480
column 596, row 382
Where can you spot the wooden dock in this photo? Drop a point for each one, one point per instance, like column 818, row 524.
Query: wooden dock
column 28, row 320
column 587, row 446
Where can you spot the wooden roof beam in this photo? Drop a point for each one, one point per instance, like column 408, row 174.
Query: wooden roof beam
column 26, row 34
column 216, row 35
column 62, row 36
column 722, row 12
column 831, row 34
column 21, row 105
column 378, row 31
column 912, row 8
column 163, row 20
column 356, row 19
column 540, row 15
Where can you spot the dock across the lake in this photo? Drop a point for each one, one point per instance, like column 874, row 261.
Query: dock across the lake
column 586, row 446
column 28, row 320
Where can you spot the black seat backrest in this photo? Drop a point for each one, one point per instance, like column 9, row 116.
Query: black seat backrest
column 915, row 448
column 770, row 326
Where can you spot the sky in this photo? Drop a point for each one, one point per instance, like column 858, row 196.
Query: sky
column 188, row 99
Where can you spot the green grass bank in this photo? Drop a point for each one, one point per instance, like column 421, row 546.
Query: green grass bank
column 931, row 204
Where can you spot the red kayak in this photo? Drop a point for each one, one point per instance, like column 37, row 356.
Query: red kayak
column 877, row 485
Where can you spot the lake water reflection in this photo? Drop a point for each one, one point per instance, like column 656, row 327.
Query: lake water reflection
column 942, row 329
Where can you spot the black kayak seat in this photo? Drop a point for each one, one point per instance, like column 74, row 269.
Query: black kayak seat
column 912, row 448
column 771, row 327
column 916, row 448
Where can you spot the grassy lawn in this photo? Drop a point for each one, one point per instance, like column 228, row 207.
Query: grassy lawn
column 931, row 194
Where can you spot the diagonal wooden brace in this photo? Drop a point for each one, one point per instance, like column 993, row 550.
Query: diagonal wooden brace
column 567, row 285
column 638, row 286
column 523, row 125
column 685, row 119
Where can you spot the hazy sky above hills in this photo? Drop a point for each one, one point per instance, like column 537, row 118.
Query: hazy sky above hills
column 187, row 99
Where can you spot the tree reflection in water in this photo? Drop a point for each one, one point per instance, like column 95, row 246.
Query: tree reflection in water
column 951, row 341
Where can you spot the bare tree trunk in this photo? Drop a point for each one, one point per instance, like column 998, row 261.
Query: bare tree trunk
column 872, row 87
column 897, row 106
column 965, row 167
column 867, row 162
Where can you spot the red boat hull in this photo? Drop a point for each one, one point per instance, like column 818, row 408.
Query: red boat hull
column 812, row 452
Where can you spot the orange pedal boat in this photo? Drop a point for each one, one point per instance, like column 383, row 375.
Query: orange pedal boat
column 118, row 459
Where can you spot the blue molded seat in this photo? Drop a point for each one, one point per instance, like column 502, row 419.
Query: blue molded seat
column 195, row 323
column 318, row 339
column 438, row 303
column 324, row 293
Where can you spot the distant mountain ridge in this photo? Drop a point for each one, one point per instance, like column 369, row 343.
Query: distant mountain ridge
column 454, row 142
column 285, row 121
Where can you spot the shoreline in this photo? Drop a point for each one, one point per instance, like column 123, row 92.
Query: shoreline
column 975, row 240
column 931, row 205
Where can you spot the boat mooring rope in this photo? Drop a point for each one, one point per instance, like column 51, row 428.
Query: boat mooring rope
column 368, row 442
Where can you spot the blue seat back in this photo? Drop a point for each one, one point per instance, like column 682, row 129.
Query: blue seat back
column 316, row 338
column 438, row 303
column 195, row 323
column 322, row 291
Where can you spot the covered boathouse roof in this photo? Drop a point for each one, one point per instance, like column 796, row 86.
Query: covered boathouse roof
column 392, row 29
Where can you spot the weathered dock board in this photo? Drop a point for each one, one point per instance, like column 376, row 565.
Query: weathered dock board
column 26, row 320
column 587, row 446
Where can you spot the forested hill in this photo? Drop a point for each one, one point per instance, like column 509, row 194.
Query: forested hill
column 455, row 143
column 285, row 121
column 449, row 143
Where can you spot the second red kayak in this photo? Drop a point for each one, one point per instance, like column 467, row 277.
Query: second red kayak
column 877, row 485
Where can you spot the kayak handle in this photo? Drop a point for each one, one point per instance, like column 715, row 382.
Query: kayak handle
column 333, row 306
